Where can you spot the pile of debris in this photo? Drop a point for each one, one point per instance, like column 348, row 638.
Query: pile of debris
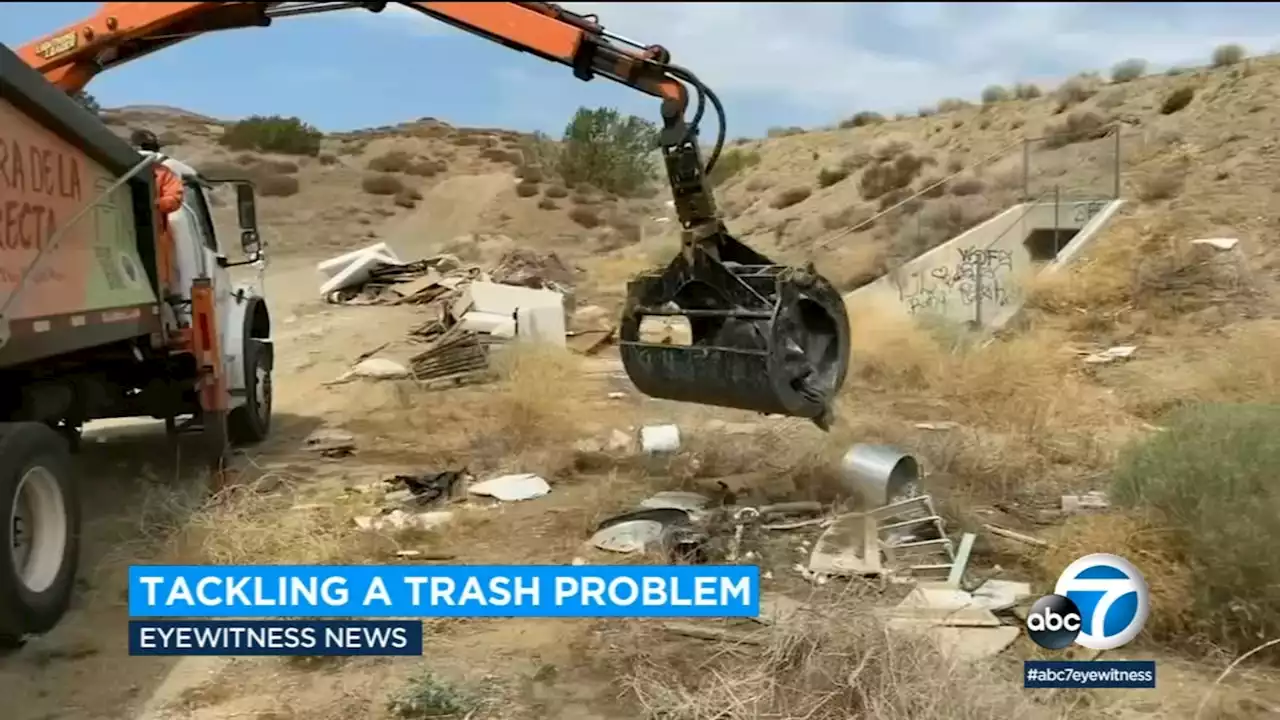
column 527, row 296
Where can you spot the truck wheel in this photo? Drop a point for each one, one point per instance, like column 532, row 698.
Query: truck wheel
column 251, row 422
column 40, row 532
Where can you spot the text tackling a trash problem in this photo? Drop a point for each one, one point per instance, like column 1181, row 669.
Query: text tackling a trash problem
column 443, row 591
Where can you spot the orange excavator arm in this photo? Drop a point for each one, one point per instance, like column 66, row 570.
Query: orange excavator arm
column 766, row 337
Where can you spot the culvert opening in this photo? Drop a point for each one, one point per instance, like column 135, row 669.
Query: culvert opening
column 1044, row 244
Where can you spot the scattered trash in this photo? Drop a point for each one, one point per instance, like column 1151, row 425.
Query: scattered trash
column 905, row 538
column 943, row 425
column 655, row 439
column 1218, row 243
column 1016, row 536
column 1094, row 500
column 678, row 500
column 644, row 529
column 331, row 443
column 456, row 357
column 617, row 395
column 429, row 487
column 779, row 610
column 702, row 632
column 375, row 369
column 401, row 520
column 512, row 488
column 880, row 474
column 1112, row 354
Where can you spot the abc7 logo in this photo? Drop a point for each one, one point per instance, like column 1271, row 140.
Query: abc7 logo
column 1100, row 602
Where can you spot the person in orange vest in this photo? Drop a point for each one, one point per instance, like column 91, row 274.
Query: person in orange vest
column 168, row 184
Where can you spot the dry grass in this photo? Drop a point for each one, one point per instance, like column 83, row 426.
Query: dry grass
column 1148, row 545
column 1030, row 419
column 841, row 664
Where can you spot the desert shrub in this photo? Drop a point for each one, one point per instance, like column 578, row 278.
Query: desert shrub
column 608, row 150
column 275, row 134
column 407, row 198
column 427, row 168
column 531, row 173
column 731, row 162
column 1162, row 183
column 939, row 222
column 926, row 111
column 1128, row 70
column 498, row 155
column 888, row 148
column 215, row 170
column 277, row 185
column 1026, row 91
column 393, row 161
column 1075, row 91
column 933, row 186
column 1210, row 477
column 527, row 189
column 1225, row 55
column 556, row 192
column 790, row 196
column 781, row 132
column 1111, row 99
column 326, row 159
column 168, row 138
column 830, row 176
column 547, row 204
column 886, row 176
column 994, row 94
column 587, row 217
column 1077, row 127
column 862, row 119
column 87, row 101
column 381, row 184
column 947, row 105
column 966, row 185
column 277, row 167
column 1177, row 100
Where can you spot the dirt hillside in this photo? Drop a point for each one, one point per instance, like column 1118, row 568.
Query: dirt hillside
column 1180, row 436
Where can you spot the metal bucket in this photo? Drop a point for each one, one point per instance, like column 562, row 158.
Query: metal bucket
column 765, row 337
column 880, row 474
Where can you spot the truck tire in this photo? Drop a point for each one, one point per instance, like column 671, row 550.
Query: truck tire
column 39, row 530
column 251, row 422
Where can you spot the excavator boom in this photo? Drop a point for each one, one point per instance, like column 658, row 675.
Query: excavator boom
column 765, row 337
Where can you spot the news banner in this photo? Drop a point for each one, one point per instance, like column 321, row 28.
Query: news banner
column 366, row 610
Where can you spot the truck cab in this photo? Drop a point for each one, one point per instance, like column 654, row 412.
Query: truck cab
column 244, row 319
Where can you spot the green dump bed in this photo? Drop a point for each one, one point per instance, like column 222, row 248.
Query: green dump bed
column 95, row 282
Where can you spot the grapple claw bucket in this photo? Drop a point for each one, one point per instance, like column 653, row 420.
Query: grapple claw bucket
column 764, row 337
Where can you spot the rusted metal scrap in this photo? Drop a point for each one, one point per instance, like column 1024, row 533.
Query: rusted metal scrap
column 458, row 356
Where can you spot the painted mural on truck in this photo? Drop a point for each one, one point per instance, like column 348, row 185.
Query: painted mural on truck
column 45, row 182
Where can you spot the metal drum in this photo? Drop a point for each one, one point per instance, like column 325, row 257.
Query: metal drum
column 765, row 337
column 880, row 474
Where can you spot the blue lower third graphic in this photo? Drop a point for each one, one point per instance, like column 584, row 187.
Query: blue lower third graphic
column 1136, row 674
column 371, row 591
column 275, row 637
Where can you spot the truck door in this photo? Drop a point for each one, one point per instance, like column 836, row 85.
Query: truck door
column 214, row 258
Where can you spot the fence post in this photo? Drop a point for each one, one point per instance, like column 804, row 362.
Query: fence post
column 1057, row 205
column 1026, row 169
column 1115, row 178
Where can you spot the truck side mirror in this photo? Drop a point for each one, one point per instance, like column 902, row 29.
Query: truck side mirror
column 246, row 208
column 250, row 243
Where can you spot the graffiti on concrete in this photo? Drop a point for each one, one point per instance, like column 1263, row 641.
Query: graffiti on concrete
column 1084, row 212
column 975, row 276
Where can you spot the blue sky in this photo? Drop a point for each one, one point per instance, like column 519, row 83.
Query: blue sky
column 772, row 63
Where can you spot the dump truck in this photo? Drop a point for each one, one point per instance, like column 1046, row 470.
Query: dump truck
column 110, row 312
column 106, row 311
